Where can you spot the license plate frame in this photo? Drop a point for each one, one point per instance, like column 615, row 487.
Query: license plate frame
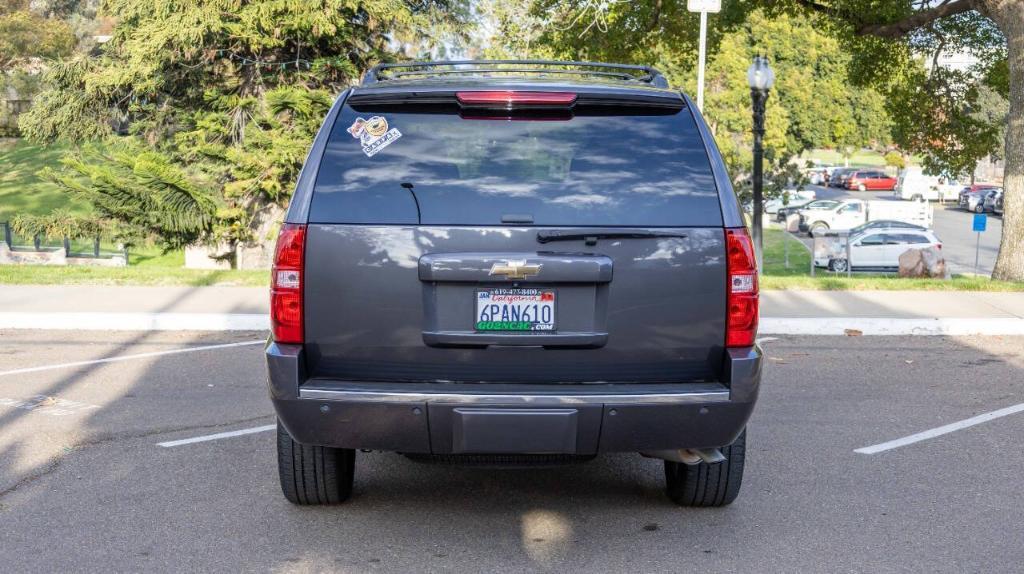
column 517, row 326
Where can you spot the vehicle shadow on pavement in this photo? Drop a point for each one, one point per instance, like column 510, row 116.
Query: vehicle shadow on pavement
column 119, row 502
column 78, row 422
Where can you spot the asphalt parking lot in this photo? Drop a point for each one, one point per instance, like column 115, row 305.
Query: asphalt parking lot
column 951, row 224
column 85, row 486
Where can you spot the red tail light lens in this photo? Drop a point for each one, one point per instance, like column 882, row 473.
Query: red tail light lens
column 742, row 298
column 286, row 285
column 509, row 99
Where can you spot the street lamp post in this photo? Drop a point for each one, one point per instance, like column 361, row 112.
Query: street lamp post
column 761, row 78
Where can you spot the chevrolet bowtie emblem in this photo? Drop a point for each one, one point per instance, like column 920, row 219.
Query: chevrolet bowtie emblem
column 515, row 269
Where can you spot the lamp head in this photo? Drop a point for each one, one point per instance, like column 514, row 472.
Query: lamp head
column 760, row 75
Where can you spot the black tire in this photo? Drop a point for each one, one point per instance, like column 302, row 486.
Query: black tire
column 837, row 265
column 917, row 197
column 816, row 225
column 980, row 208
column 313, row 474
column 708, row 485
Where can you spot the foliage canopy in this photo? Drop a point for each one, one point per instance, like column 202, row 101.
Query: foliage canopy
column 220, row 100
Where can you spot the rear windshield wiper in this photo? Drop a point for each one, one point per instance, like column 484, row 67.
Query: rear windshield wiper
column 591, row 237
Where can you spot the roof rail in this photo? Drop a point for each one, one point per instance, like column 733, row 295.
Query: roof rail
column 626, row 72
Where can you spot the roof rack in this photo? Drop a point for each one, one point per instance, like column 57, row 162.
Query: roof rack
column 625, row 72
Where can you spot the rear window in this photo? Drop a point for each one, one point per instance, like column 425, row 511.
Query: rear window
column 433, row 165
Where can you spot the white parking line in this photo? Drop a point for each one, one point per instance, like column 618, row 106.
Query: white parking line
column 129, row 357
column 217, row 436
column 932, row 433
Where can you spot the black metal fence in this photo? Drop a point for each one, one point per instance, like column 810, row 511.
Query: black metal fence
column 72, row 247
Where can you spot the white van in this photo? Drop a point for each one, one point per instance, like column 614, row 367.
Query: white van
column 916, row 185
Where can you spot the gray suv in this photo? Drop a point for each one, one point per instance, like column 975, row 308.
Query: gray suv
column 514, row 263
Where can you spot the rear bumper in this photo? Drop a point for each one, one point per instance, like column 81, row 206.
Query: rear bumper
column 490, row 418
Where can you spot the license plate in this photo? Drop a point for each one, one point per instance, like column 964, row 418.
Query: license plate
column 515, row 310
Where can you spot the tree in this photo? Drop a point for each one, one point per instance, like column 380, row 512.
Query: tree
column 895, row 159
column 935, row 112
column 141, row 189
column 812, row 106
column 28, row 39
column 932, row 109
column 27, row 35
column 224, row 96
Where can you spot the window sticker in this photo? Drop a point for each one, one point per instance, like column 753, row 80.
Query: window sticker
column 373, row 134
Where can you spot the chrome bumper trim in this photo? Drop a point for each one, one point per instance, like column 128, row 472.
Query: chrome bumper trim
column 711, row 393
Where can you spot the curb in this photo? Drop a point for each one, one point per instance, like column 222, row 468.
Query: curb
column 259, row 322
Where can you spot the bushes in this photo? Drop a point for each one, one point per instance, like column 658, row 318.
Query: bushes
column 59, row 225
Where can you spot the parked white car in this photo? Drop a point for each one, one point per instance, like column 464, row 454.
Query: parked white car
column 877, row 249
column 790, row 197
column 916, row 185
column 853, row 212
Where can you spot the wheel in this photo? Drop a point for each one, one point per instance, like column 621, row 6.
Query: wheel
column 837, row 265
column 707, row 484
column 819, row 226
column 917, row 197
column 861, row 187
column 980, row 208
column 313, row 474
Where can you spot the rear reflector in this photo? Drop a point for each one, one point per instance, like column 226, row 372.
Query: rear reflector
column 742, row 297
column 286, row 285
column 509, row 99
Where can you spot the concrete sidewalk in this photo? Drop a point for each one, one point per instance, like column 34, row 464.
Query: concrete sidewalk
column 245, row 308
column 892, row 304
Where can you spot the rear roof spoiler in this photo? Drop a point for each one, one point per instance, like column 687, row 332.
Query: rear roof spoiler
column 537, row 68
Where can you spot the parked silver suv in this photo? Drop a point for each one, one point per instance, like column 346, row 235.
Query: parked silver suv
column 530, row 266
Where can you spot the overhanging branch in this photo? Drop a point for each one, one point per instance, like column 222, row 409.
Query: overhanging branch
column 915, row 20
column 895, row 29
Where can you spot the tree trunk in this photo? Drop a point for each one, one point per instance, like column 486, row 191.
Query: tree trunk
column 1009, row 17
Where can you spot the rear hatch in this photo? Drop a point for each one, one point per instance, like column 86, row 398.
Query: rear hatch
column 563, row 241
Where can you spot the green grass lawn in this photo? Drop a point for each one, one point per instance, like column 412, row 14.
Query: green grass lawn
column 132, row 275
column 22, row 191
column 833, row 157
column 798, row 275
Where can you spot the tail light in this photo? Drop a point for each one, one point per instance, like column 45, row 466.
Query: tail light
column 742, row 298
column 938, row 246
column 508, row 99
column 286, row 285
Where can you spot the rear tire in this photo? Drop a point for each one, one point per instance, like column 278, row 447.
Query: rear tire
column 819, row 226
column 313, row 474
column 708, row 485
column 980, row 208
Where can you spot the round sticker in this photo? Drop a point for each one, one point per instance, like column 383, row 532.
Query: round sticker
column 376, row 126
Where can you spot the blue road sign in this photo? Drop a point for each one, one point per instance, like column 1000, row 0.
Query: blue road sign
column 980, row 221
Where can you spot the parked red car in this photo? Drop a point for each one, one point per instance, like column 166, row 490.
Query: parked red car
column 865, row 180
